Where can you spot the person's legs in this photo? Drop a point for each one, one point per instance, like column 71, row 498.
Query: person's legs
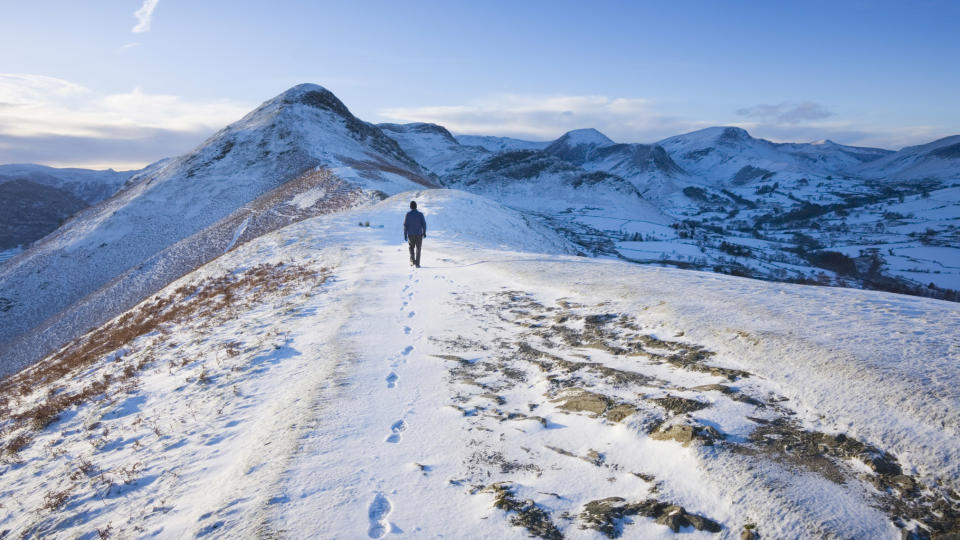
column 419, row 244
column 411, row 240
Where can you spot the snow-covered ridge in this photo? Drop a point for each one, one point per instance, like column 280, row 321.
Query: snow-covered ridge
column 501, row 144
column 503, row 390
column 713, row 199
column 184, row 211
column 938, row 159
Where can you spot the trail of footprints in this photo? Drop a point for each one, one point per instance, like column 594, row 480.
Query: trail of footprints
column 380, row 508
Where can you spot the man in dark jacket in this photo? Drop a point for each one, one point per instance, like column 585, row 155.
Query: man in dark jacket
column 414, row 231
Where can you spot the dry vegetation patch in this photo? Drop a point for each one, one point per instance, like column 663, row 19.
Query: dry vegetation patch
column 209, row 300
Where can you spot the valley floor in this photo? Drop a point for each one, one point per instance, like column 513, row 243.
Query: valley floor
column 495, row 393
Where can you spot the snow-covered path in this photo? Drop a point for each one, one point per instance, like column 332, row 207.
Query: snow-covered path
column 500, row 392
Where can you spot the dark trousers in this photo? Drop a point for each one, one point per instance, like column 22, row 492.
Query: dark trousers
column 415, row 241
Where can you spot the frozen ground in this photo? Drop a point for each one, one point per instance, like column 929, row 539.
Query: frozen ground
column 310, row 384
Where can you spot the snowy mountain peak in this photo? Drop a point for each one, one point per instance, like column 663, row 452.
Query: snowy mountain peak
column 587, row 136
column 316, row 96
column 734, row 134
column 578, row 146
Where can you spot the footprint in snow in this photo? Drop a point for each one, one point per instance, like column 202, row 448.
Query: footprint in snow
column 406, row 329
column 411, row 314
column 396, row 431
column 392, row 380
column 407, row 350
column 379, row 510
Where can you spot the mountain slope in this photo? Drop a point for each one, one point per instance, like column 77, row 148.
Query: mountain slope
column 31, row 211
column 730, row 156
column 500, row 144
column 432, row 146
column 310, row 383
column 299, row 154
column 938, row 160
column 87, row 185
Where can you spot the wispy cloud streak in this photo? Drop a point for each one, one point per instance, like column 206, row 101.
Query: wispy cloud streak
column 144, row 16
column 787, row 113
column 548, row 117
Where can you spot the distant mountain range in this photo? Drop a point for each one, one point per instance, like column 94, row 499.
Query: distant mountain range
column 715, row 199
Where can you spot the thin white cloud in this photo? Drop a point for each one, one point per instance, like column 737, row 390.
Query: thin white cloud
column 787, row 113
column 62, row 117
column 130, row 45
column 642, row 120
column 144, row 16
column 548, row 117
column 37, row 105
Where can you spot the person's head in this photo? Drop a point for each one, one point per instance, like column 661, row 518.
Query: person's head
column 413, row 205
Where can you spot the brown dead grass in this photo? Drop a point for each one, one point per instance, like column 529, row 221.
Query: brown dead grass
column 213, row 298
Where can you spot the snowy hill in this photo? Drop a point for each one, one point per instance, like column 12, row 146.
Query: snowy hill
column 88, row 185
column 299, row 154
column 310, row 384
column 36, row 199
column 939, row 160
column 432, row 146
column 722, row 200
column 578, row 145
column 31, row 210
column 500, row 144
column 717, row 199
column 729, row 155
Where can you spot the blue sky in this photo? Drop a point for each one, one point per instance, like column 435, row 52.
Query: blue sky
column 122, row 83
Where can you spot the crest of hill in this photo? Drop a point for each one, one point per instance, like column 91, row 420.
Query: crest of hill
column 299, row 154
column 577, row 146
column 939, row 159
column 730, row 155
column 432, row 146
column 501, row 144
column 88, row 185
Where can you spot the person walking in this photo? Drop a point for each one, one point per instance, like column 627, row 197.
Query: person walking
column 414, row 231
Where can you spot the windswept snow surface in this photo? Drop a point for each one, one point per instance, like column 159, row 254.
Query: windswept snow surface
column 377, row 400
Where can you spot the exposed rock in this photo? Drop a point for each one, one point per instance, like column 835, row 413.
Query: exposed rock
column 714, row 387
column 679, row 405
column 561, row 451
column 686, row 434
column 594, row 458
column 582, row 400
column 619, row 412
column 606, row 516
column 526, row 513
column 499, row 400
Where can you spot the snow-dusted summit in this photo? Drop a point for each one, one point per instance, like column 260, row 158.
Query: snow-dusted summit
column 730, row 156
column 299, row 154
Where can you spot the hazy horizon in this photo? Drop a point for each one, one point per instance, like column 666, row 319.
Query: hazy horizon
column 110, row 85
